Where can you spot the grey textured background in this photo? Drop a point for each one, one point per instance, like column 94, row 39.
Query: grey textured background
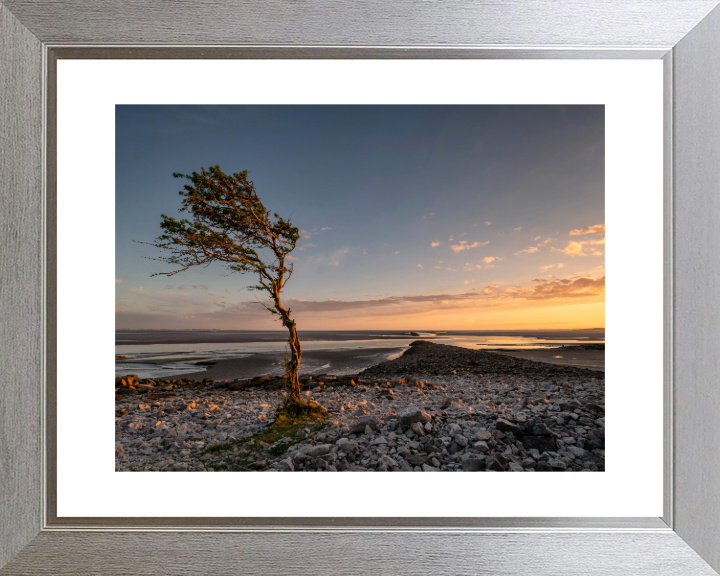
column 361, row 22
column 697, row 288
column 649, row 27
column 20, row 284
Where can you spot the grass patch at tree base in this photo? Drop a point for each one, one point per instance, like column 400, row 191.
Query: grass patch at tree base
column 300, row 411
column 294, row 422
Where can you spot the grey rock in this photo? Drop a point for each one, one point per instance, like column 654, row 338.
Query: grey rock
column 557, row 464
column 483, row 435
column 461, row 440
column 412, row 414
column 505, row 426
column 576, row 451
column 537, row 427
column 539, row 443
column 496, row 462
column 360, row 425
column 481, row 446
column 417, row 459
column 418, row 428
column 319, row 450
column 471, row 463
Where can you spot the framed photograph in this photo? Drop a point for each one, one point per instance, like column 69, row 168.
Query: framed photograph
column 388, row 258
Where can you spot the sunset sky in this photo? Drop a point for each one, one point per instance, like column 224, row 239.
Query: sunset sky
column 411, row 217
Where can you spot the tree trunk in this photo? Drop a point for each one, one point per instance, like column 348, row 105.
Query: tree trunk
column 292, row 377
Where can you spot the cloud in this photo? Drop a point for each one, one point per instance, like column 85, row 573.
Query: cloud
column 419, row 265
column 530, row 250
column 306, row 235
column 434, row 244
column 560, row 265
column 578, row 248
column 517, row 229
column 308, row 245
column 396, row 252
column 437, row 267
column 200, row 287
column 464, row 245
column 561, row 289
column 547, row 267
column 292, row 258
column 452, row 270
column 490, row 266
column 140, row 290
column 573, row 249
column 537, row 237
column 548, row 241
column 597, row 229
column 117, row 280
column 490, row 259
column 336, row 263
column 488, row 223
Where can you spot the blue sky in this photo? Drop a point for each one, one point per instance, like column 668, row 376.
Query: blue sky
column 413, row 217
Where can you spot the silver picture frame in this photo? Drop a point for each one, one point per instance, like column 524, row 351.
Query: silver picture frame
column 685, row 34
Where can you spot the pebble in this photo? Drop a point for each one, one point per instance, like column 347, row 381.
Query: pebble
column 499, row 414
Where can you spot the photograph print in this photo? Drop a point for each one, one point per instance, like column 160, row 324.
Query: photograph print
column 360, row 288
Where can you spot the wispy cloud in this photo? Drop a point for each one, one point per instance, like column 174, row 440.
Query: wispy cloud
column 419, row 265
column 488, row 223
column 465, row 245
column 547, row 267
column 517, row 229
column 435, row 244
column 490, row 259
column 117, row 280
column 530, row 250
column 561, row 289
column 140, row 290
column 325, row 229
column 597, row 229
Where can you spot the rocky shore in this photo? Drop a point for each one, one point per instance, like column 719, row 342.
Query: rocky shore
column 436, row 408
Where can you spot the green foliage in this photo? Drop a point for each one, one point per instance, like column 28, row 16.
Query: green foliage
column 228, row 224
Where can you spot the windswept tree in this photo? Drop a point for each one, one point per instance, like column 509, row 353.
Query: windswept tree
column 229, row 224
